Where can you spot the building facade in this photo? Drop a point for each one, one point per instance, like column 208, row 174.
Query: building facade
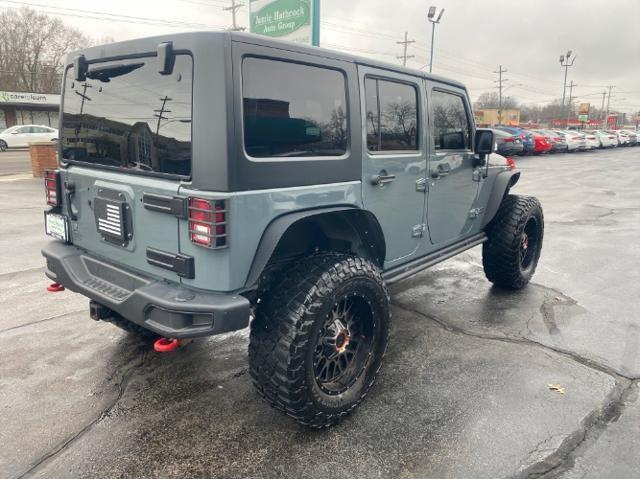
column 17, row 108
column 493, row 116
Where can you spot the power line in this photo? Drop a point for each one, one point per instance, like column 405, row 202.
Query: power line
column 405, row 44
column 106, row 16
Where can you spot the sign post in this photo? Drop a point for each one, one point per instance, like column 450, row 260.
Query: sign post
column 291, row 20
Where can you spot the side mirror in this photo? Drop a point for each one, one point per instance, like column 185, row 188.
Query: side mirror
column 484, row 142
column 80, row 66
column 166, row 58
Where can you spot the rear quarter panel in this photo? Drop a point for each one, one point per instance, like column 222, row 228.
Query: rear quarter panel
column 249, row 215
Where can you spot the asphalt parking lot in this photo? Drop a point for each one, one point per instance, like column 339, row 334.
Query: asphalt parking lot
column 464, row 391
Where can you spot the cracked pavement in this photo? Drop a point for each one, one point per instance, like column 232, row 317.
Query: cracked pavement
column 463, row 392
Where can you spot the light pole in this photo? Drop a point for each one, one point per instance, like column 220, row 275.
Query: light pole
column 566, row 66
column 430, row 16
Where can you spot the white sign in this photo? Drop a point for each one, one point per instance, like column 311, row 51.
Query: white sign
column 30, row 98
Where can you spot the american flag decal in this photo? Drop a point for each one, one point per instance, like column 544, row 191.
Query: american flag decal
column 109, row 217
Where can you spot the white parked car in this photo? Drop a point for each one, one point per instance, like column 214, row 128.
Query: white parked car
column 632, row 135
column 623, row 139
column 574, row 139
column 20, row 136
column 592, row 140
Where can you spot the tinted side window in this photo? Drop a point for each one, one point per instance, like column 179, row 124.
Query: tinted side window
column 450, row 122
column 293, row 110
column 392, row 116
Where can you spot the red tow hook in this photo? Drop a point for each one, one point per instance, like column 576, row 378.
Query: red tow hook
column 55, row 287
column 166, row 345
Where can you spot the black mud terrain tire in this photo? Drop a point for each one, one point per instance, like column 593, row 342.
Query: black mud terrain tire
column 511, row 253
column 319, row 337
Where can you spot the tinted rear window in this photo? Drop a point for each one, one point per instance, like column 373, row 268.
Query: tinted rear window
column 293, row 110
column 127, row 116
column 392, row 115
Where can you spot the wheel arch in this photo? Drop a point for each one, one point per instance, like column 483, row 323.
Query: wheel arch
column 503, row 183
column 339, row 228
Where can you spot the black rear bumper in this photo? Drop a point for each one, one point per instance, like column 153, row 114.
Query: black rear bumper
column 170, row 310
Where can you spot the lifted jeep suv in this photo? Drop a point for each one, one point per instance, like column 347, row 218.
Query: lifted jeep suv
column 209, row 178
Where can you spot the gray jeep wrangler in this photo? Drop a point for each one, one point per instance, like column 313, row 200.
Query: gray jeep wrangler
column 207, row 179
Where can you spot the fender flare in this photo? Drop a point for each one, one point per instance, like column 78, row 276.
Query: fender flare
column 503, row 183
column 279, row 226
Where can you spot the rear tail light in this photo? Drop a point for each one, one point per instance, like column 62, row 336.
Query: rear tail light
column 508, row 139
column 52, row 187
column 208, row 222
column 576, row 138
column 511, row 163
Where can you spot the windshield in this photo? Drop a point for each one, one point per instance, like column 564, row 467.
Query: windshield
column 126, row 115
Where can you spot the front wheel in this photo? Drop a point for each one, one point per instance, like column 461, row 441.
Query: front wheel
column 3, row 145
column 319, row 337
column 511, row 253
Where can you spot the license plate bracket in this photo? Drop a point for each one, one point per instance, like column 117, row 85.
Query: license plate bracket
column 56, row 226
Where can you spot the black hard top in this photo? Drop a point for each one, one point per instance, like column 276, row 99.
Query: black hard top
column 335, row 55
column 199, row 36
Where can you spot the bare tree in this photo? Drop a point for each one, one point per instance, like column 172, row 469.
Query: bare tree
column 32, row 50
column 491, row 100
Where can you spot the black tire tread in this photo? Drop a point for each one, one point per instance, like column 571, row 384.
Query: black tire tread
column 500, row 251
column 280, row 334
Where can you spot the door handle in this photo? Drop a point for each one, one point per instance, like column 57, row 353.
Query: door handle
column 382, row 179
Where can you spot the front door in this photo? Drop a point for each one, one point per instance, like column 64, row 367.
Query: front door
column 394, row 157
column 453, row 187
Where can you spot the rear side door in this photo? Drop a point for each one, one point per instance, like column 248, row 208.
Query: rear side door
column 394, row 160
column 453, row 183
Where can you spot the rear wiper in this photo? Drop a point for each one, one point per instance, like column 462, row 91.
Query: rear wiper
column 105, row 73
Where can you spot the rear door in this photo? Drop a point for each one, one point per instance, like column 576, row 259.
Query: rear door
column 453, row 185
column 394, row 160
column 127, row 138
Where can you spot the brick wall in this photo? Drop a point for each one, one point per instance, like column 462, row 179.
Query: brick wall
column 44, row 156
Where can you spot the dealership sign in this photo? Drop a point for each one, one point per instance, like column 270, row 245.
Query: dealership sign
column 13, row 97
column 583, row 111
column 291, row 20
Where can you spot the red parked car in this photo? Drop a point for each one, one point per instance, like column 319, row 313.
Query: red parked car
column 541, row 144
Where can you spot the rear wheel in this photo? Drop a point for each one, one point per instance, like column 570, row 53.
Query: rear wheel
column 511, row 253
column 318, row 340
column 3, row 145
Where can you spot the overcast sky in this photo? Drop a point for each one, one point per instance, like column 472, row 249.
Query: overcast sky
column 474, row 37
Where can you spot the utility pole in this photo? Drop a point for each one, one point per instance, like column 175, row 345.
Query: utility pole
column 233, row 9
column 604, row 96
column 405, row 44
column 430, row 16
column 499, row 87
column 571, row 85
column 606, row 117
